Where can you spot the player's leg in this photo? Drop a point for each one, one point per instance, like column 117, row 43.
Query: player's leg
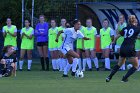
column 56, row 56
column 95, row 59
column 138, row 55
column 107, row 59
column 54, row 63
column 87, row 53
column 9, row 70
column 45, row 52
column 21, row 61
column 84, row 61
column 62, row 62
column 116, row 68
column 29, row 55
column 79, row 59
column 2, row 66
column 41, row 53
column 132, row 70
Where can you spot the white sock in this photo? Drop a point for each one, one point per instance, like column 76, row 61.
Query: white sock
column 139, row 62
column 61, row 65
column 54, row 63
column 29, row 64
column 84, row 64
column 20, row 64
column 67, row 69
column 58, row 61
column 74, row 64
column 16, row 65
column 95, row 60
column 122, row 67
column 89, row 63
column 64, row 63
column 79, row 64
column 107, row 63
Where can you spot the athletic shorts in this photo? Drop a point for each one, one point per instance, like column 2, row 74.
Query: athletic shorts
column 127, row 51
column 65, row 49
column 4, row 71
column 106, row 47
column 42, row 43
column 53, row 49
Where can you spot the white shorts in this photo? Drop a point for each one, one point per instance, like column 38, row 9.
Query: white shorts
column 117, row 46
column 52, row 49
column 106, row 47
column 65, row 49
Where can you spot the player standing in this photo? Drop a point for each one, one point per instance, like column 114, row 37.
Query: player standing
column 127, row 49
column 107, row 36
column 27, row 44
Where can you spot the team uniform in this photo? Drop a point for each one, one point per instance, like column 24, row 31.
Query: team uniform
column 6, row 69
column 120, row 39
column 105, row 36
column 70, row 36
column 27, row 44
column 130, row 34
column 91, row 33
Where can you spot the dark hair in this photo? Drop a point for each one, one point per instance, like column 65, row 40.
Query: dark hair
column 89, row 18
column 68, row 25
column 106, row 20
column 53, row 19
column 76, row 21
column 5, row 49
column 28, row 20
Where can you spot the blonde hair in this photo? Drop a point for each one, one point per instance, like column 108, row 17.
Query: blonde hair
column 132, row 19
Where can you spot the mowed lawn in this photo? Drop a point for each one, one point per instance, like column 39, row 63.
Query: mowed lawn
column 37, row 81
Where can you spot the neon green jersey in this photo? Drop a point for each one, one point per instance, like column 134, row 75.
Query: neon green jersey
column 52, row 36
column 27, row 43
column 10, row 40
column 79, row 41
column 105, row 37
column 120, row 39
column 60, row 39
column 90, row 33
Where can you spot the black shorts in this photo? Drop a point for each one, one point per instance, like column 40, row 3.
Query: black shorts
column 4, row 71
column 127, row 51
column 42, row 43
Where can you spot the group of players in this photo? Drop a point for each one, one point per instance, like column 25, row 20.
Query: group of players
column 59, row 41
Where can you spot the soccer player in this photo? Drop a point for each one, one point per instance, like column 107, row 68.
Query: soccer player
column 106, row 35
column 137, row 47
column 27, row 44
column 71, row 34
column 53, row 48
column 10, row 34
column 7, row 62
column 62, row 63
column 89, row 45
column 121, row 24
column 127, row 49
column 41, row 33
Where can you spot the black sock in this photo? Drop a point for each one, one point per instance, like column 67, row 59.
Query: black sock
column 114, row 70
column 47, row 63
column 42, row 63
column 130, row 72
column 1, row 68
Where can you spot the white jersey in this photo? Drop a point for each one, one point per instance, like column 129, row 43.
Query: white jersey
column 70, row 36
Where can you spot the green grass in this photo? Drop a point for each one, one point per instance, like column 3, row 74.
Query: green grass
column 52, row 82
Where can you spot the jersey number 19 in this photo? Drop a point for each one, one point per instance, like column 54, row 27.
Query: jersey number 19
column 128, row 33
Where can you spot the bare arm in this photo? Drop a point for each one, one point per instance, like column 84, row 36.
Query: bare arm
column 85, row 38
column 14, row 35
column 59, row 33
column 29, row 37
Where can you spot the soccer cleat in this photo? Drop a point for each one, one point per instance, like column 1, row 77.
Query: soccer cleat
column 65, row 75
column 73, row 73
column 90, row 69
column 106, row 69
column 124, row 79
column 108, row 79
column 28, row 69
column 97, row 69
column 20, row 69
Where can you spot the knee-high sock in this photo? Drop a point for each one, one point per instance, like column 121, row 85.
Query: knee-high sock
column 54, row 64
column 16, row 65
column 21, row 64
column 84, row 64
column 74, row 64
column 47, row 63
column 95, row 60
column 79, row 64
column 67, row 69
column 130, row 72
column 42, row 63
column 122, row 67
column 61, row 64
column 89, row 63
column 64, row 63
column 114, row 70
column 58, row 61
column 29, row 64
column 107, row 63
column 139, row 62
column 1, row 68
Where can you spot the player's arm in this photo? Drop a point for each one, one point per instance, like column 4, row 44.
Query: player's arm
column 115, row 39
column 29, row 37
column 85, row 38
column 14, row 35
column 59, row 33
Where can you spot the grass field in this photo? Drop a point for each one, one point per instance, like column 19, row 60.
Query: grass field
column 52, row 82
